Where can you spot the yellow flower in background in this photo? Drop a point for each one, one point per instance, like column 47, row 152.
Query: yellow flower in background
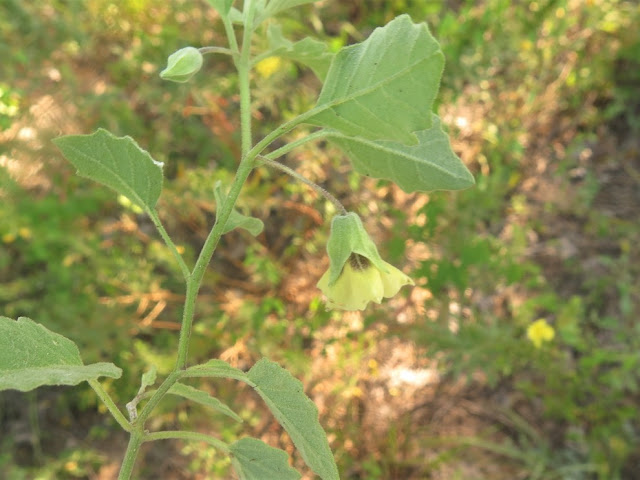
column 540, row 331
column 268, row 66
column 362, row 282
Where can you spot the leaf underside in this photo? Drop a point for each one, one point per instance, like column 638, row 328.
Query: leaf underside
column 203, row 398
column 285, row 397
column 255, row 460
column 32, row 356
column 429, row 165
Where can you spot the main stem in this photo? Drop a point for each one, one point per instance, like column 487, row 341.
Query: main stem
column 194, row 280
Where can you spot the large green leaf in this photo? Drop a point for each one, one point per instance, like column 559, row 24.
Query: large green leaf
column 203, row 398
column 308, row 51
column 286, row 399
column 384, row 87
column 429, row 165
column 255, row 460
column 32, row 356
column 117, row 162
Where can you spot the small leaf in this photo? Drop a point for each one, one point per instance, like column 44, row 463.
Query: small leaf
column 117, row 162
column 222, row 6
column 286, row 399
column 199, row 396
column 32, row 356
column 429, row 165
column 308, row 51
column 182, row 65
column 236, row 220
column 255, row 460
column 384, row 87
column 216, row 368
column 148, row 378
column 236, row 16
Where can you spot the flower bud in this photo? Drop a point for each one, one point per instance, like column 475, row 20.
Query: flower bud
column 182, row 65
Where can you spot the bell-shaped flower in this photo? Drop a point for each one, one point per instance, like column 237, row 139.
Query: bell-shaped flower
column 357, row 275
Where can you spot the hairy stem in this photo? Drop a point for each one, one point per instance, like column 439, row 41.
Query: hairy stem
column 167, row 240
column 306, row 181
column 195, row 436
column 295, row 144
column 110, row 404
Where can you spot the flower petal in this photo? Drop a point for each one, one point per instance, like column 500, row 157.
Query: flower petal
column 353, row 289
column 394, row 280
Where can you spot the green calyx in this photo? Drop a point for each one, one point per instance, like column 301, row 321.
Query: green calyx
column 348, row 236
column 182, row 65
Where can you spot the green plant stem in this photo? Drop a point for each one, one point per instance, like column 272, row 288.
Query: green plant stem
column 195, row 436
column 133, row 448
column 158, row 395
column 295, row 144
column 167, row 240
column 304, row 180
column 244, row 169
column 110, row 404
column 222, row 50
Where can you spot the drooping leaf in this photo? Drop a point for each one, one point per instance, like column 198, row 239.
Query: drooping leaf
column 216, row 368
column 236, row 220
column 285, row 397
column 117, row 162
column 308, row 51
column 203, row 398
column 429, row 165
column 384, row 87
column 255, row 460
column 32, row 355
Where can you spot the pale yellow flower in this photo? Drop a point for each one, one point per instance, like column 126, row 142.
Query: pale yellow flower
column 540, row 331
column 362, row 282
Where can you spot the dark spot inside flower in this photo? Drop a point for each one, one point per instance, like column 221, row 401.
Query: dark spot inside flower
column 358, row 262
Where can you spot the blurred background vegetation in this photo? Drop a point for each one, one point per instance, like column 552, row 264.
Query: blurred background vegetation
column 542, row 100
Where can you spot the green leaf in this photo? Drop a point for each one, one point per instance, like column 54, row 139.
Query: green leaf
column 273, row 7
column 286, row 399
column 222, row 6
column 384, row 87
column 308, row 51
column 203, row 398
column 236, row 16
column 429, row 165
column 236, row 220
column 255, row 460
column 216, row 368
column 148, row 378
column 32, row 356
column 117, row 162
